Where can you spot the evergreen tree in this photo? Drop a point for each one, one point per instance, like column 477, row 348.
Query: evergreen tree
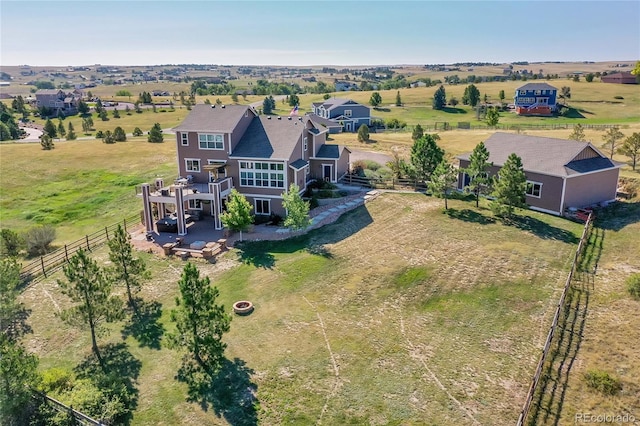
column 578, row 133
column 492, row 117
column 119, row 135
column 294, row 100
column 71, row 134
column 477, row 171
column 234, row 98
column 137, row 132
column 155, row 134
column 611, row 138
column 439, row 98
column 107, row 137
column 50, row 129
column 417, row 133
column 200, row 326
column 509, row 189
column 83, row 108
column 363, row 133
column 103, row 115
column 398, row 99
column 61, row 129
column 238, row 215
column 443, row 181
column 425, row 156
column 501, row 96
column 631, row 148
column 18, row 376
column 46, row 142
column 137, row 108
column 90, row 288
column 13, row 314
column 267, row 109
column 297, row 209
column 127, row 268
column 87, row 125
column 116, row 113
column 98, row 107
column 471, row 96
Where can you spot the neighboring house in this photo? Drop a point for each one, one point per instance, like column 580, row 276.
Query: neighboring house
column 223, row 147
column 58, row 101
column 619, row 78
column 345, row 86
column 561, row 173
column 535, row 99
column 349, row 114
column 418, row 84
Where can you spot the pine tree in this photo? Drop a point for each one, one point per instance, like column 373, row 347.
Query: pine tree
column 50, row 129
column 611, row 138
column 238, row 215
column 439, row 98
column 578, row 133
column 90, row 288
column 200, row 326
column 492, row 117
column 631, row 148
column 267, row 109
column 155, row 134
column 417, row 133
column 46, row 142
column 119, row 135
column 443, row 180
column 61, row 129
column 363, row 133
column 297, row 209
column 71, row 134
column 425, row 156
column 126, row 269
column 477, row 171
column 509, row 189
column 398, row 99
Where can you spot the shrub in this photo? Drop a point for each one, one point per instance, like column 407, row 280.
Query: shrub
column 371, row 165
column 325, row 193
column 10, row 242
column 137, row 132
column 618, row 97
column 56, row 380
column 99, row 134
column 38, row 240
column 394, row 123
column 602, row 382
column 313, row 202
column 633, row 286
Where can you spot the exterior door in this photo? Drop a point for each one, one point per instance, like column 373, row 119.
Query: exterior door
column 348, row 126
column 327, row 172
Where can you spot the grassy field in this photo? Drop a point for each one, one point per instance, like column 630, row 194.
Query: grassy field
column 442, row 326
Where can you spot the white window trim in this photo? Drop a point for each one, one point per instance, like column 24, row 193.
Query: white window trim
column 261, row 200
column 531, row 184
column 348, row 113
column 186, row 167
column 305, row 143
column 184, row 139
column 211, row 134
column 269, row 171
column 195, row 204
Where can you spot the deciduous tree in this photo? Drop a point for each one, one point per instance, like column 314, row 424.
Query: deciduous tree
column 509, row 189
column 578, row 133
column 443, row 180
column 89, row 287
column 492, row 117
column 611, row 138
column 631, row 148
column 238, row 215
column 297, row 209
column 375, row 100
column 294, row 100
column 471, row 95
column 200, row 326
column 425, row 156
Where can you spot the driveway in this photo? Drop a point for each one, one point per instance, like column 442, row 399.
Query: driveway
column 33, row 135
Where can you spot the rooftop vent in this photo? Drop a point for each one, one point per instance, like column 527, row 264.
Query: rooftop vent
column 222, row 106
column 279, row 118
column 289, row 118
column 268, row 117
column 213, row 106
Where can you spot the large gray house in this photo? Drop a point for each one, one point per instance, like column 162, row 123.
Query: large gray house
column 561, row 173
column 223, row 147
column 348, row 114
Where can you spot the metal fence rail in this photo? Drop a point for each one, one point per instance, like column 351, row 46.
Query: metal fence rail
column 53, row 261
column 79, row 417
column 554, row 324
column 416, row 185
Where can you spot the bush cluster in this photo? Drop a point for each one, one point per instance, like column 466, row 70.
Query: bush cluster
column 602, row 382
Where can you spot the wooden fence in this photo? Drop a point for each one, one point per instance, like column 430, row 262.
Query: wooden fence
column 53, row 261
column 396, row 184
column 444, row 126
column 554, row 324
column 79, row 418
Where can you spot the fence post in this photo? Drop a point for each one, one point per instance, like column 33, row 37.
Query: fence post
column 44, row 271
column 66, row 254
column 125, row 225
column 87, row 239
column 106, row 231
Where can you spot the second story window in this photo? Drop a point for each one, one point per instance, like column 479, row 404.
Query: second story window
column 192, row 165
column 304, row 143
column 210, row 141
column 347, row 113
column 184, row 139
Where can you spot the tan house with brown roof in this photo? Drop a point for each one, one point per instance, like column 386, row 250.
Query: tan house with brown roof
column 561, row 174
column 223, row 147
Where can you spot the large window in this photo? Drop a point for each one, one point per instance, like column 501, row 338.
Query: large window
column 347, row 113
column 262, row 207
column 210, row 141
column 534, row 189
column 261, row 174
column 195, row 204
column 304, row 143
column 184, row 139
column 192, row 165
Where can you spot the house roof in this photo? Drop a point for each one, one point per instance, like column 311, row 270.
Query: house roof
column 331, row 151
column 537, row 86
column 48, row 92
column 213, row 118
column 334, row 102
column 299, row 164
column 316, row 119
column 270, row 137
column 550, row 156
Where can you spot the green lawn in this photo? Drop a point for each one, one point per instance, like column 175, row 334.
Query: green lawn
column 396, row 314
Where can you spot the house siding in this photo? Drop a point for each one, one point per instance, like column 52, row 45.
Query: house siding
column 194, row 151
column 586, row 190
column 551, row 195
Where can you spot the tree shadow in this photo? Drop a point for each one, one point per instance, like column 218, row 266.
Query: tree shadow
column 542, row 229
column 116, row 378
column 468, row 215
column 383, row 109
column 453, row 110
column 230, row 394
column 574, row 113
column 617, row 215
column 251, row 254
column 18, row 325
column 144, row 324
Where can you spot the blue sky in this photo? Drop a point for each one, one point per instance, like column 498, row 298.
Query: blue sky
column 315, row 32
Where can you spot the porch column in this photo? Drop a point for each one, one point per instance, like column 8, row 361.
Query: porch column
column 216, row 205
column 162, row 210
column 182, row 226
column 147, row 213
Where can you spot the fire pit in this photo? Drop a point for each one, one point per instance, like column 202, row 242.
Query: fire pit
column 243, row 307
